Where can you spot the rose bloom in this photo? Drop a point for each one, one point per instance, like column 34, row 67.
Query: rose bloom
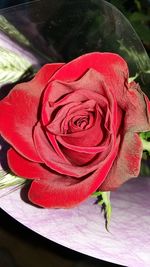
column 73, row 129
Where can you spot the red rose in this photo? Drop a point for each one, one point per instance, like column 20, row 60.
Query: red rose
column 74, row 128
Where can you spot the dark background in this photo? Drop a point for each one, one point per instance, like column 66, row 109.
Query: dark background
column 21, row 247
column 137, row 11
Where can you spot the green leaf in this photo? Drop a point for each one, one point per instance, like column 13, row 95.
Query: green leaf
column 131, row 79
column 145, row 135
column 138, row 17
column 145, row 138
column 143, row 31
column 11, row 31
column 145, row 169
column 8, row 179
column 138, row 4
column 142, row 61
column 12, row 66
column 103, row 199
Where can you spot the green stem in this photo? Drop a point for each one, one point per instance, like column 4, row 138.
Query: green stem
column 146, row 145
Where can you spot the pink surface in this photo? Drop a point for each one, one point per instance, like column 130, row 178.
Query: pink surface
column 82, row 228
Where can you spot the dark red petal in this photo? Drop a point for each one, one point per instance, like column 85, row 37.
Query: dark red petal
column 83, row 149
column 54, row 161
column 93, row 77
column 64, row 192
column 23, row 167
column 127, row 163
column 90, row 81
column 53, row 141
column 49, row 156
column 90, row 137
column 55, row 190
column 137, row 118
column 55, row 126
column 18, row 112
column 112, row 68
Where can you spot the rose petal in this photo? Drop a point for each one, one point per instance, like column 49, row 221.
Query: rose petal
column 55, row 126
column 78, row 141
column 64, row 192
column 18, row 112
column 54, row 161
column 137, row 115
column 89, row 87
column 48, row 155
column 53, row 92
column 112, row 69
column 127, row 163
column 52, row 139
column 23, row 167
column 57, row 89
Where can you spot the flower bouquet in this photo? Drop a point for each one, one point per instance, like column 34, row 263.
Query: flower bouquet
column 75, row 126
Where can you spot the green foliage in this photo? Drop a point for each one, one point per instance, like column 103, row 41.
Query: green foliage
column 138, row 13
column 103, row 199
column 8, row 179
column 145, row 138
column 12, row 32
column 12, row 66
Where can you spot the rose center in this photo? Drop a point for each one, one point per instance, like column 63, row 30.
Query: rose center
column 80, row 122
